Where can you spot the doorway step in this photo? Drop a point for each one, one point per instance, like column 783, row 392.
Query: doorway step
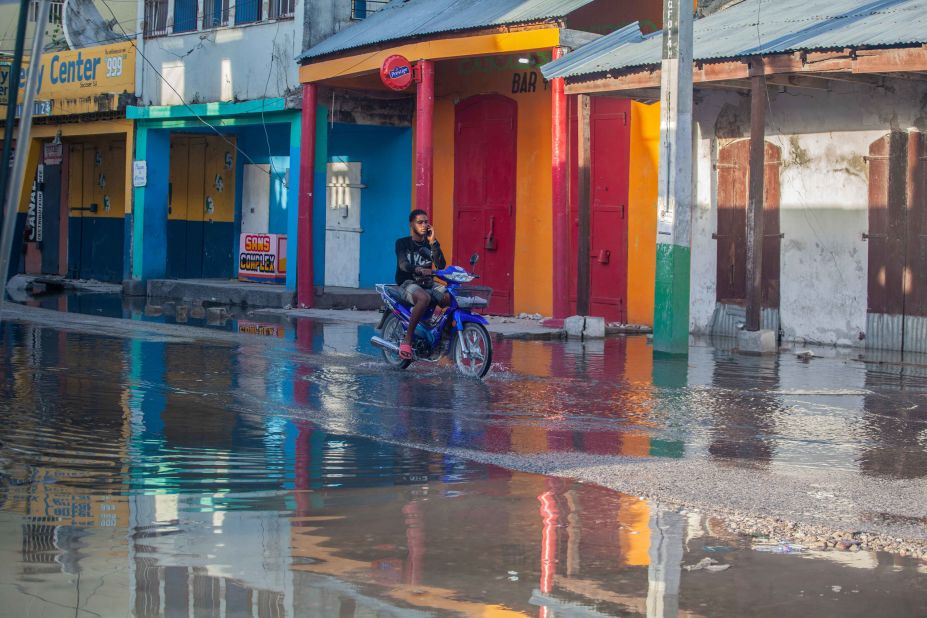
column 222, row 292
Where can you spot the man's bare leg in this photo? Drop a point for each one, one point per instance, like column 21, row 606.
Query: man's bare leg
column 422, row 300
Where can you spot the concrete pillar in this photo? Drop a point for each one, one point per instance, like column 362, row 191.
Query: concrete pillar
column 424, row 135
column 560, row 179
column 150, row 203
column 305, row 285
column 671, row 293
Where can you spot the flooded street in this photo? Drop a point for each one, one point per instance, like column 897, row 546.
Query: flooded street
column 157, row 469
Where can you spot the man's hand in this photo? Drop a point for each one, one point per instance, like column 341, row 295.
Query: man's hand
column 424, row 272
column 431, row 235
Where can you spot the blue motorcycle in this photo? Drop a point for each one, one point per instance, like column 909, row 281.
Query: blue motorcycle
column 457, row 332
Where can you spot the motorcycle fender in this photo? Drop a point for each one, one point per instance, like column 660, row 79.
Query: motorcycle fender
column 463, row 318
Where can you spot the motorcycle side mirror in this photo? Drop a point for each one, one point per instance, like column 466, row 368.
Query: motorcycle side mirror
column 474, row 259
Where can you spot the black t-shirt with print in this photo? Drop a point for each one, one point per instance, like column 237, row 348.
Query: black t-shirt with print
column 412, row 254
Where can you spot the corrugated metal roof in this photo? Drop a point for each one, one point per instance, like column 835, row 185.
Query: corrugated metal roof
column 756, row 27
column 403, row 19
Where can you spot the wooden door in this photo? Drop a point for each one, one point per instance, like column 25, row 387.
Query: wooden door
column 608, row 273
column 484, row 193
column 609, row 135
column 897, row 238
column 218, row 213
column 733, row 196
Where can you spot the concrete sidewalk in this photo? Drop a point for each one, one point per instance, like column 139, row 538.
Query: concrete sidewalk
column 504, row 327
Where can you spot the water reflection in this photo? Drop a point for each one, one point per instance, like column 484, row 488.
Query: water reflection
column 166, row 479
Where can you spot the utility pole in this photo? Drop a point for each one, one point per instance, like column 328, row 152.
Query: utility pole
column 15, row 181
column 13, row 96
column 674, row 203
column 755, row 215
column 584, row 199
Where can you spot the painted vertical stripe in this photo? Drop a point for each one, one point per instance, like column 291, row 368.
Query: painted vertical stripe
column 671, row 299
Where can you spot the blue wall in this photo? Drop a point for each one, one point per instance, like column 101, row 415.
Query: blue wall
column 253, row 141
column 386, row 157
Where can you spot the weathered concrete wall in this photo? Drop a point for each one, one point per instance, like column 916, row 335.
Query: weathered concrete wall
column 824, row 137
column 226, row 64
column 324, row 18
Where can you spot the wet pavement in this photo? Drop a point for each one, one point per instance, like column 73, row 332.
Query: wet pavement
column 266, row 469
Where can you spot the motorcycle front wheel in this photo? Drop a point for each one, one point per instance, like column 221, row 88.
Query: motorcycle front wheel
column 394, row 333
column 475, row 360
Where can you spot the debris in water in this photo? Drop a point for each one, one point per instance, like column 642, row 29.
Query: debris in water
column 707, row 564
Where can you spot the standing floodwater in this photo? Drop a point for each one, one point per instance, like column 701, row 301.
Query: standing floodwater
column 162, row 475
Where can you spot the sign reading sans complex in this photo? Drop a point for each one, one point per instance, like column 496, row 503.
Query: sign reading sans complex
column 262, row 258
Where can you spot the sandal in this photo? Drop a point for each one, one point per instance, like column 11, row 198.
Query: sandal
column 405, row 351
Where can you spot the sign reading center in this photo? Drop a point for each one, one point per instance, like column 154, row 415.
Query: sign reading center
column 396, row 72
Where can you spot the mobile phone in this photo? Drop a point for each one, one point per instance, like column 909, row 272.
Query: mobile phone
column 431, row 231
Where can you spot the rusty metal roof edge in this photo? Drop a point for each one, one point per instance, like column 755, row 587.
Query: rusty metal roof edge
column 628, row 56
column 578, row 78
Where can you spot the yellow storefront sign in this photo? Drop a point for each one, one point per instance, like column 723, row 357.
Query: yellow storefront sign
column 4, row 82
column 85, row 80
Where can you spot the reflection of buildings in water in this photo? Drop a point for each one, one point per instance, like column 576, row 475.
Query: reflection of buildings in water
column 541, row 414
column 64, row 441
column 895, row 423
column 741, row 411
column 187, row 554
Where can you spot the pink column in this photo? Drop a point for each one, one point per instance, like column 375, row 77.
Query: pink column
column 560, row 195
column 305, row 291
column 424, row 135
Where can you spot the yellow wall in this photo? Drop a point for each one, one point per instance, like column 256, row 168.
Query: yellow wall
column 39, row 134
column 458, row 79
column 642, row 211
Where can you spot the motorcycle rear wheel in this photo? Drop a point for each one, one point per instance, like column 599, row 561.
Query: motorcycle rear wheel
column 476, row 360
column 394, row 333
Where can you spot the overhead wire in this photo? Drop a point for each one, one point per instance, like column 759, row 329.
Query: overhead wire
column 180, row 96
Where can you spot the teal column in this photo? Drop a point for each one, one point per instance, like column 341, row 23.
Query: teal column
column 149, row 238
column 671, row 292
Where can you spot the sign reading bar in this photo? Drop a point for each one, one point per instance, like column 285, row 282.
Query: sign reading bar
column 262, row 258
column 396, row 72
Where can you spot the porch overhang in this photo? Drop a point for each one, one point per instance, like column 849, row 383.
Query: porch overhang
column 483, row 43
column 800, row 69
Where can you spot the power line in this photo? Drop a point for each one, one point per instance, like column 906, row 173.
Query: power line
column 180, row 96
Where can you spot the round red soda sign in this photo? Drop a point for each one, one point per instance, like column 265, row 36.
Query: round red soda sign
column 396, row 72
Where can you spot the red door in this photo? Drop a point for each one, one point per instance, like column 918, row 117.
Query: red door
column 610, row 142
column 484, row 193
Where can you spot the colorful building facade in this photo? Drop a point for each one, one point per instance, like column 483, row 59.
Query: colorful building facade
column 217, row 128
column 75, row 209
column 478, row 141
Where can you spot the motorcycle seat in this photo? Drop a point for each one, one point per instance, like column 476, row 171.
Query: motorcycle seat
column 396, row 294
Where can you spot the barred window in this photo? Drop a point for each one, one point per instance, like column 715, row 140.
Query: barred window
column 54, row 11
column 155, row 17
column 278, row 9
column 215, row 13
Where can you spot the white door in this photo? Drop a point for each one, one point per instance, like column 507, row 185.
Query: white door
column 342, row 225
column 255, row 199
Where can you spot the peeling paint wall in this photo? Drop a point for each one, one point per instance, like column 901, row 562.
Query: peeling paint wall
column 254, row 61
column 824, row 136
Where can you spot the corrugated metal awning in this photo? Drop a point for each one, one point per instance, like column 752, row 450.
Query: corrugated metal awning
column 760, row 27
column 406, row 19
